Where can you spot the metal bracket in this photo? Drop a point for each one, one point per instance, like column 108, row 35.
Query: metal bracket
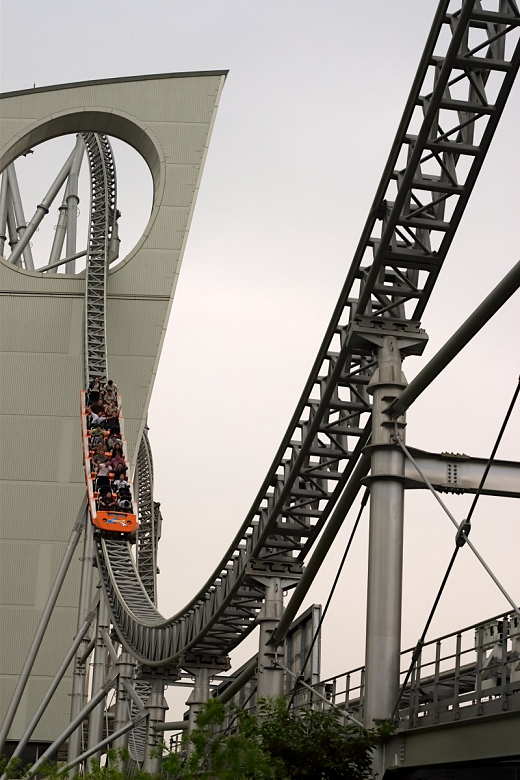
column 289, row 571
column 217, row 663
column 461, row 537
column 366, row 331
column 168, row 674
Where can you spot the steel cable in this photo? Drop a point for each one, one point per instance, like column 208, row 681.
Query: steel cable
column 364, row 500
column 420, row 643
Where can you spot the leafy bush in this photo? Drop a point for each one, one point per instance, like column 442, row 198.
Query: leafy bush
column 279, row 744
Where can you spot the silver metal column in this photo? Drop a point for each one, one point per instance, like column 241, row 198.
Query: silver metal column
column 270, row 678
column 72, row 205
column 43, row 624
column 3, row 212
column 99, row 673
column 199, row 694
column 156, row 707
column 19, row 215
column 11, row 224
column 59, row 233
column 385, row 557
column 79, row 672
column 122, row 713
column 42, row 210
column 52, row 688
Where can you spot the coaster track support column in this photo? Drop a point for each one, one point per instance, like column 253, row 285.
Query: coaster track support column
column 391, row 342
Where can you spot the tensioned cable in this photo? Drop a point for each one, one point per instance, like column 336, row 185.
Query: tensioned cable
column 232, row 723
column 495, row 448
column 463, row 529
column 364, row 500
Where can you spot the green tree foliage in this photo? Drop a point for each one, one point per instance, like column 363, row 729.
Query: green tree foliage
column 280, row 744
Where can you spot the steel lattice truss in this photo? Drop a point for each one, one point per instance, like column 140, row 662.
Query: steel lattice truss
column 464, row 78
column 149, row 520
column 147, row 542
column 102, row 219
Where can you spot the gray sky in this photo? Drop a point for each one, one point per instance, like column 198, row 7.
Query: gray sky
column 306, row 120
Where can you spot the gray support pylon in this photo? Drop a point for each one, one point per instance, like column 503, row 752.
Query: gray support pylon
column 19, row 215
column 63, row 261
column 385, row 556
column 3, row 212
column 125, row 667
column 128, row 726
column 43, row 624
column 42, row 210
column 59, row 234
column 53, row 686
column 270, row 679
column 156, row 707
column 11, row 223
column 79, row 671
column 99, row 673
column 200, row 693
column 72, row 205
column 97, row 697
column 127, row 685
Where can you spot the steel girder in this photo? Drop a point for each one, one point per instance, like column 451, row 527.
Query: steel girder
column 147, row 543
column 465, row 75
column 102, row 220
column 149, row 519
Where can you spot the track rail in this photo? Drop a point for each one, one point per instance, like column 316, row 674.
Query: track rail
column 102, row 219
column 465, row 75
column 149, row 520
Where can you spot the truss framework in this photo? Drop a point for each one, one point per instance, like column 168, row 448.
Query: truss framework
column 465, row 75
column 102, row 220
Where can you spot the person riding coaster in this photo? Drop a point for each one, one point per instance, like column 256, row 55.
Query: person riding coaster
column 111, row 506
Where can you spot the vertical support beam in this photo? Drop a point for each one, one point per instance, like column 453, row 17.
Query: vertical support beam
column 42, row 210
column 59, row 233
column 74, row 747
column 99, row 673
column 270, row 677
column 156, row 707
column 385, row 557
column 199, row 694
column 11, row 223
column 122, row 712
column 72, row 205
column 3, row 212
column 19, row 215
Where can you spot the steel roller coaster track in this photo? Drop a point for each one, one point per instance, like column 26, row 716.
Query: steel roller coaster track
column 103, row 214
column 466, row 72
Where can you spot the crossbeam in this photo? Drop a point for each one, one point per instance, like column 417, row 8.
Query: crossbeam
column 453, row 473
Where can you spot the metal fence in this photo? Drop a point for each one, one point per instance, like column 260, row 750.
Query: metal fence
column 469, row 673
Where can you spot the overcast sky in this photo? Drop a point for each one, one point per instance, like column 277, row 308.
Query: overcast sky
column 306, row 120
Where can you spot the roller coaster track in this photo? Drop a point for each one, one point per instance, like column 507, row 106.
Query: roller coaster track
column 465, row 75
column 102, row 220
column 149, row 520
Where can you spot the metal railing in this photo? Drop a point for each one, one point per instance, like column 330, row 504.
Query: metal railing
column 469, row 673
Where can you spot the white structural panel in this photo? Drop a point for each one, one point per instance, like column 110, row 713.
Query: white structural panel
column 168, row 119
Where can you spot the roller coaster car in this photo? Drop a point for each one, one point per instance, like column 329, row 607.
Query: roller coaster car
column 118, row 522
